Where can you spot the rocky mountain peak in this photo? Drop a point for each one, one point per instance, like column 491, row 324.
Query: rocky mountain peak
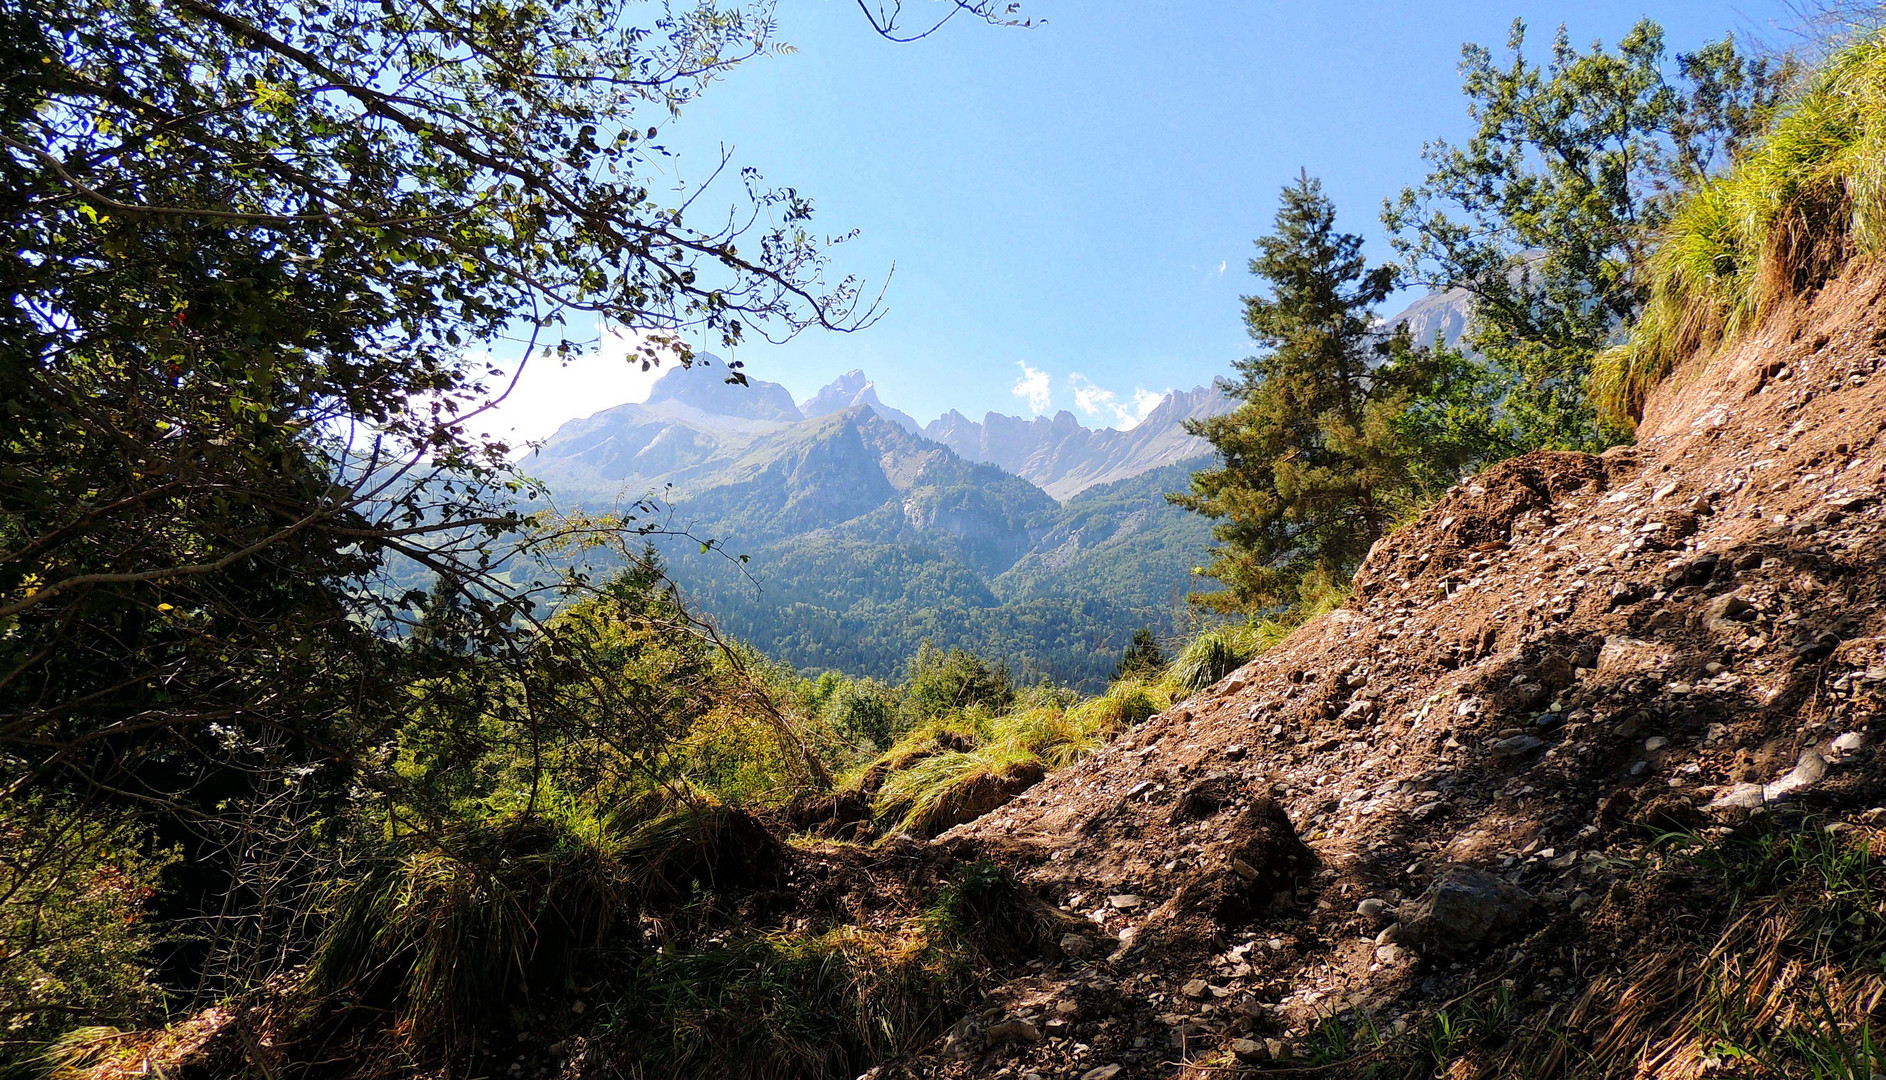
column 703, row 385
column 853, row 389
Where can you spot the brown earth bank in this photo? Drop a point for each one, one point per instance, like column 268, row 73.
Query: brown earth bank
column 1448, row 795
column 1580, row 782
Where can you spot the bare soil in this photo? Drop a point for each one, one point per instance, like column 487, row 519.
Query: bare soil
column 1565, row 656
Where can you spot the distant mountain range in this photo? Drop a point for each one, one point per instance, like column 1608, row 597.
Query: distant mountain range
column 868, row 534
column 1064, row 458
column 1038, row 541
column 695, row 427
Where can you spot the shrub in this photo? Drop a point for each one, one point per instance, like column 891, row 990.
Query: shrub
column 863, row 709
column 74, row 944
column 942, row 682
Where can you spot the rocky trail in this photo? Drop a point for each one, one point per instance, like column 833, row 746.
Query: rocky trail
column 1457, row 781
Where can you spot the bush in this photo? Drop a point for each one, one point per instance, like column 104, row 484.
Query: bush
column 74, row 944
column 863, row 709
column 957, row 680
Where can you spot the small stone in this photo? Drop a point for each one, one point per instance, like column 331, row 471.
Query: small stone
column 1103, row 1072
column 1124, row 902
column 1739, row 797
column 1249, row 1050
column 1811, row 767
column 1014, row 1030
column 1850, row 742
column 1196, row 989
column 1517, row 745
column 1274, row 1047
column 1372, row 908
column 1580, row 902
column 1388, row 954
column 1244, row 869
column 1462, row 909
column 1058, row 1026
column 1655, row 743
column 1808, row 771
column 1234, row 751
column 1358, row 713
column 1068, row 1008
column 1391, row 932
column 1077, row 945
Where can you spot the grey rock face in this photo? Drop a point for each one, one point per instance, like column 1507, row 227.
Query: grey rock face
column 852, row 389
column 1065, row 457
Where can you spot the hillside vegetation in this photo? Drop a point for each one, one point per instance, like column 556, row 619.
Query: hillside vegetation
column 1789, row 215
column 338, row 755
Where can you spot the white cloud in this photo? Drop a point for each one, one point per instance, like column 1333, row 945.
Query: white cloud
column 1098, row 401
column 550, row 393
column 1089, row 398
column 1032, row 388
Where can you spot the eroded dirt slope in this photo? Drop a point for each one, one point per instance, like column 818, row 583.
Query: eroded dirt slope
column 1566, row 655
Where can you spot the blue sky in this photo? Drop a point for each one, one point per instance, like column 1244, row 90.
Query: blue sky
column 1081, row 197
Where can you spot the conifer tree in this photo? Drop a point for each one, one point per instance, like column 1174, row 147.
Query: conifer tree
column 1143, row 658
column 1342, row 428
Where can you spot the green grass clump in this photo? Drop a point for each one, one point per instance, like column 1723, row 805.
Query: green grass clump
column 962, row 763
column 986, row 912
column 953, row 788
column 954, row 769
column 447, row 939
column 1216, row 653
column 450, row 937
column 779, row 1006
column 1807, row 198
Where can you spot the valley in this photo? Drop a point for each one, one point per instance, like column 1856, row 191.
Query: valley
column 1043, row 543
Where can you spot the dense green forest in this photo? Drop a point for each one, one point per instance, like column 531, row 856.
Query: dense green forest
column 303, row 692
column 861, row 597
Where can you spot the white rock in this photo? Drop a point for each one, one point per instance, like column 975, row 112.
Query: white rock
column 1744, row 796
column 1807, row 772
